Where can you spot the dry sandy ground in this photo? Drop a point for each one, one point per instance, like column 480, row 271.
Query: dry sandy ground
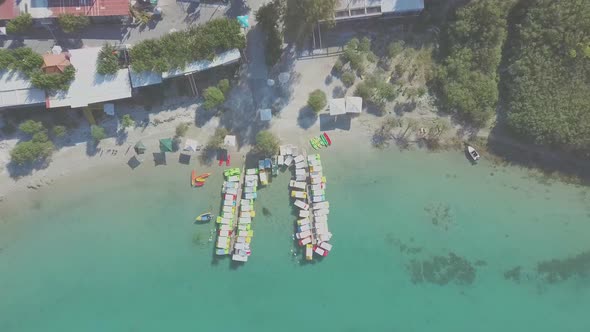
column 293, row 125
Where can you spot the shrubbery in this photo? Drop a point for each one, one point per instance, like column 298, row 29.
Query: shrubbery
column 317, row 100
column 213, row 97
column 31, row 127
column 216, row 141
column 38, row 148
column 71, row 23
column 548, row 76
column 223, row 85
column 377, row 91
column 59, row 131
column 177, row 49
column 53, row 81
column 267, row 144
column 182, row 129
column 468, row 78
column 20, row 24
column 348, row 78
column 127, row 121
column 97, row 133
column 107, row 62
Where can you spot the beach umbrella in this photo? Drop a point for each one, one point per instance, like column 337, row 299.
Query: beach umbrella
column 166, row 145
column 243, row 20
column 139, row 147
column 229, row 141
column 56, row 49
column 284, row 77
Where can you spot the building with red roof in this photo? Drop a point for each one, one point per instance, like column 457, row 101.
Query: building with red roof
column 40, row 9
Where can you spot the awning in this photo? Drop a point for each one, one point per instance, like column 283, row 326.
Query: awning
column 166, row 145
column 229, row 141
column 266, row 114
column 139, row 147
column 354, row 105
column 337, row 106
column 243, row 20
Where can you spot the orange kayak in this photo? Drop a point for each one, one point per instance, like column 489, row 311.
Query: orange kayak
column 193, row 178
column 202, row 177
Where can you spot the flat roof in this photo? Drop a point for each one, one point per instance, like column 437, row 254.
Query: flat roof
column 337, row 106
column 224, row 58
column 17, row 90
column 53, row 8
column 145, row 78
column 89, row 87
column 354, row 104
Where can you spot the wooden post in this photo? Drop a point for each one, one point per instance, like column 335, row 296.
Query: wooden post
column 89, row 116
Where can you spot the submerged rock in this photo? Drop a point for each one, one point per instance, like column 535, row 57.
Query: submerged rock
column 513, row 274
column 442, row 270
column 557, row 270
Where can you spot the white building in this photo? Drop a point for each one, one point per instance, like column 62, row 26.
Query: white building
column 356, row 9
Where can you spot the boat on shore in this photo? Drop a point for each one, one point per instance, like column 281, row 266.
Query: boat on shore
column 473, row 154
column 204, row 217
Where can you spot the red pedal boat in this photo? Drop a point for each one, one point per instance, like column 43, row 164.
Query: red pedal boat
column 328, row 139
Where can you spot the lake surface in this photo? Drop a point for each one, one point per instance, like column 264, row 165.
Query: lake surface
column 422, row 242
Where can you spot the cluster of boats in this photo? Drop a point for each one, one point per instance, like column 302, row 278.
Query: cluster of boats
column 308, row 192
column 267, row 167
column 226, row 220
column 320, row 141
column 244, row 234
column 198, row 180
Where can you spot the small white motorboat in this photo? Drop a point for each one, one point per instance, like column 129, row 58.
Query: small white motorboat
column 472, row 153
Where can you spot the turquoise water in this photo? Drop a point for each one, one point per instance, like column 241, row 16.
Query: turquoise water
column 122, row 254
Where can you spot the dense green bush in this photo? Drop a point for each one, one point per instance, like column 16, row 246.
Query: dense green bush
column 348, row 78
column 22, row 59
column 338, row 65
column 213, row 97
column 177, row 49
column 31, row 127
column 548, row 76
column 97, row 133
column 269, row 17
column 216, row 141
column 395, row 48
column 30, row 151
column 53, row 81
column 20, row 24
column 59, row 131
column 468, row 77
column 127, row 121
column 71, row 23
column 376, row 90
column 107, row 62
column 182, row 129
column 223, row 85
column 317, row 100
column 267, row 144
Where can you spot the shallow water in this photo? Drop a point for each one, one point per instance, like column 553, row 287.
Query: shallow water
column 122, row 254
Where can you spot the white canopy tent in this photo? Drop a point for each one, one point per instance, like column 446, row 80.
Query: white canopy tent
column 229, row 141
column 191, row 145
column 354, row 105
column 337, row 106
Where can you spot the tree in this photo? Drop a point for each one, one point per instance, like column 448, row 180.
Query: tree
column 376, row 90
column 107, row 62
column 267, row 144
column 213, row 97
column 72, row 23
column 216, row 141
column 223, row 85
column 177, row 49
column 97, row 133
column 395, row 48
column 348, row 78
column 317, row 100
column 20, row 24
column 31, row 127
column 301, row 16
column 468, row 78
column 127, row 121
column 268, row 17
column 30, row 151
column 22, row 59
column 53, row 81
column 546, row 87
column 59, row 131
column 182, row 129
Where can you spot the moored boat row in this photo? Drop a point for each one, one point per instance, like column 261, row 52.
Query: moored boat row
column 244, row 233
column 226, row 220
column 320, row 206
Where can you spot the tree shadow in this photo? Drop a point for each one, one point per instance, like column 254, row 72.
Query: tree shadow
column 16, row 171
column 338, row 92
column 307, row 117
column 328, row 80
column 405, row 107
column 121, row 137
column 237, row 7
column 92, row 147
